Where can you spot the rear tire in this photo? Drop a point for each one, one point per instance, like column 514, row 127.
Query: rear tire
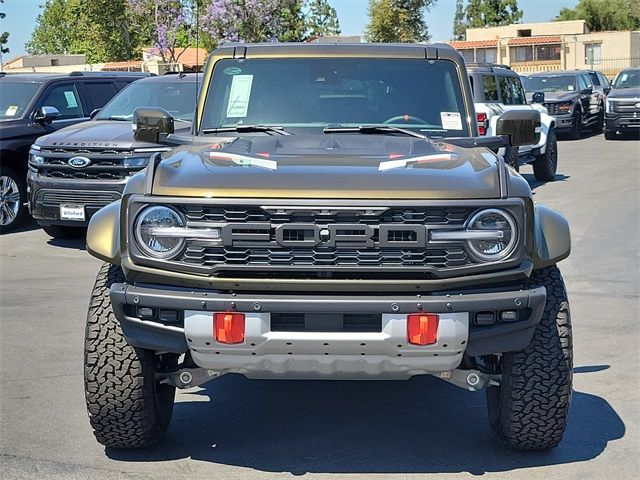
column 545, row 166
column 62, row 231
column 128, row 407
column 13, row 196
column 529, row 410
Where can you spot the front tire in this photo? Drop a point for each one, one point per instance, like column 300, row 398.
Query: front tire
column 546, row 165
column 128, row 407
column 529, row 410
column 610, row 134
column 576, row 133
column 13, row 196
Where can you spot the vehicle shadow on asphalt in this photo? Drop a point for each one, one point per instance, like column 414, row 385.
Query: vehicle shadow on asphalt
column 422, row 425
column 533, row 183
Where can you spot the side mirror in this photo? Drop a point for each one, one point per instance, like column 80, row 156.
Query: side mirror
column 607, row 90
column 587, row 91
column 150, row 123
column 538, row 97
column 521, row 126
column 46, row 114
column 94, row 112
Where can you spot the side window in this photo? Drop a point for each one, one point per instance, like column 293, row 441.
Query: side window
column 99, row 93
column 65, row 98
column 517, row 92
column 587, row 81
column 581, row 83
column 603, row 80
column 490, row 88
column 505, row 90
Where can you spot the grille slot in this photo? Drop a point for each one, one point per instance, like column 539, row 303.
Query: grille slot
column 88, row 198
column 106, row 164
column 325, row 322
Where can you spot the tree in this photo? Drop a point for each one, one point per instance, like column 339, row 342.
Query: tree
column 100, row 29
column 492, row 13
column 172, row 24
column 255, row 20
column 459, row 25
column 322, row 19
column 398, row 21
column 4, row 36
column 602, row 15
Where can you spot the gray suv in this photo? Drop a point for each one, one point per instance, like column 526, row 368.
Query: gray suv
column 570, row 97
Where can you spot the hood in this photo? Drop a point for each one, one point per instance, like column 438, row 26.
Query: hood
column 630, row 93
column 96, row 134
column 354, row 166
column 558, row 96
column 14, row 127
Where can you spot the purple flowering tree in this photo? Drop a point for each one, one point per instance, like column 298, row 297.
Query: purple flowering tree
column 254, row 20
column 172, row 25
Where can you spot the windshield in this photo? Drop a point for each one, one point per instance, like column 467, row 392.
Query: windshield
column 177, row 98
column 307, row 94
column 552, row 83
column 627, row 79
column 14, row 98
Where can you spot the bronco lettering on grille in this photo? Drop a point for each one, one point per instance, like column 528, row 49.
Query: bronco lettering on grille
column 337, row 235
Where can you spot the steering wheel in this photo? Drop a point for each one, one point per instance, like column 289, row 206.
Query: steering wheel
column 405, row 119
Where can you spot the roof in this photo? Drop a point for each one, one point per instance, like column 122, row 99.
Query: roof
column 173, row 77
column 490, row 67
column 468, row 44
column 557, row 73
column 122, row 65
column 534, row 40
column 379, row 50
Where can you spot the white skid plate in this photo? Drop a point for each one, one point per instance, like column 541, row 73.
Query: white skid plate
column 308, row 355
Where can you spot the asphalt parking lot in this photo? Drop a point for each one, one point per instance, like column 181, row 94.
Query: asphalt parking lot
column 234, row 428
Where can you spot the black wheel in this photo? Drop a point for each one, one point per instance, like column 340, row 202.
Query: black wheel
column 62, row 231
column 545, row 166
column 598, row 127
column 128, row 407
column 511, row 158
column 529, row 410
column 610, row 134
column 576, row 133
column 13, row 196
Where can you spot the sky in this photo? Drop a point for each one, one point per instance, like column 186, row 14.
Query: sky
column 21, row 18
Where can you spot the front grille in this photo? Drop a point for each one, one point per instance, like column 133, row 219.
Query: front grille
column 323, row 257
column 106, row 164
column 87, row 198
column 256, row 246
column 625, row 106
column 553, row 108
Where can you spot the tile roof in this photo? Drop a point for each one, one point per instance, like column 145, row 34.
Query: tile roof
column 466, row 44
column 534, row 40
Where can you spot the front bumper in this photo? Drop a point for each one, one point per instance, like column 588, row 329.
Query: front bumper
column 46, row 194
column 564, row 122
column 622, row 123
column 385, row 353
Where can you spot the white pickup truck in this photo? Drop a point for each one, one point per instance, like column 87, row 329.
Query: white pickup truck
column 497, row 88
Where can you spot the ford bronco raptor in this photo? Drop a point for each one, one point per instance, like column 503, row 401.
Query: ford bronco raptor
column 333, row 215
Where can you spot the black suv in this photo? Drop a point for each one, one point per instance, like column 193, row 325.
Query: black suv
column 78, row 170
column 570, row 97
column 623, row 105
column 35, row 104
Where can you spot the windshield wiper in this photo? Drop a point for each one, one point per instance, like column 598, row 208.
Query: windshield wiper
column 372, row 129
column 249, row 128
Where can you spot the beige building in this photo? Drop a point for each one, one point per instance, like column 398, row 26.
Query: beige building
column 534, row 47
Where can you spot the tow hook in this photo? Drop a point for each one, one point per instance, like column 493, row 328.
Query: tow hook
column 188, row 377
column 472, row 380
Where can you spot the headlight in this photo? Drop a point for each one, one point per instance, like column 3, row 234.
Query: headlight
column 564, row 107
column 150, row 231
column 36, row 159
column 491, row 234
column 133, row 162
column 607, row 106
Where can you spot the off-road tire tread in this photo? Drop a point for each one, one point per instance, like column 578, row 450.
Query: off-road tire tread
column 120, row 386
column 542, row 170
column 531, row 407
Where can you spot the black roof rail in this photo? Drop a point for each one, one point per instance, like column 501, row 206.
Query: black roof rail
column 489, row 65
column 100, row 73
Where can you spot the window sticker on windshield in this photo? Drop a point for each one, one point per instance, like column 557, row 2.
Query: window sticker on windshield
column 71, row 99
column 571, row 88
column 239, row 96
column 11, row 111
column 451, row 120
